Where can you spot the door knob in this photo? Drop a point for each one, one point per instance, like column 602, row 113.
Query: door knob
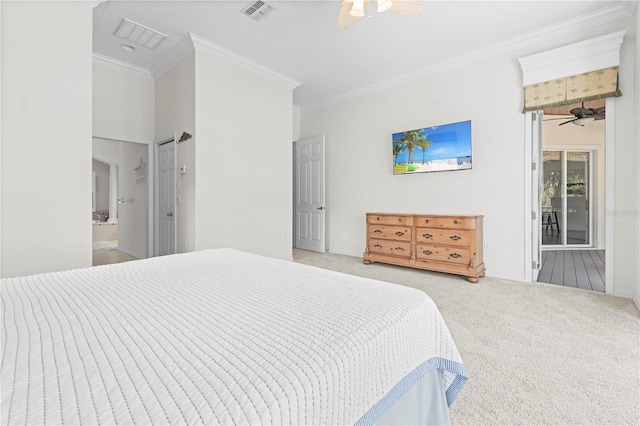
column 170, row 214
column 321, row 208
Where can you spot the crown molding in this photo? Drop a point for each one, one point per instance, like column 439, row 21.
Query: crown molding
column 577, row 58
column 615, row 12
column 191, row 42
column 120, row 66
column 176, row 54
column 244, row 62
column 92, row 3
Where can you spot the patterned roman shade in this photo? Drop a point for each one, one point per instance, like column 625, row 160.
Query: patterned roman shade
column 570, row 90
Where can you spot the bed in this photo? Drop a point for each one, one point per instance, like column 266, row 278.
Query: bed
column 222, row 337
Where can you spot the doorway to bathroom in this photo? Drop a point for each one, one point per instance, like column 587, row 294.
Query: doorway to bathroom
column 120, row 201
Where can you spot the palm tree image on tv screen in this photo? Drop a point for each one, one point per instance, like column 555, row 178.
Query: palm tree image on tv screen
column 432, row 149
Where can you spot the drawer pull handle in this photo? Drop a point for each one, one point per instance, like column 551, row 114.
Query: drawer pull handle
column 428, row 236
column 456, row 222
column 377, row 246
column 454, row 237
column 427, row 252
column 399, row 233
column 455, row 255
column 377, row 231
column 427, row 221
column 399, row 249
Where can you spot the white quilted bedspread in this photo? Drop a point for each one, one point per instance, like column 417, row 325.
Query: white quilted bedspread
column 211, row 337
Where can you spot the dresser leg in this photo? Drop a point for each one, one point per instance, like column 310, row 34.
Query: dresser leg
column 473, row 279
column 366, row 262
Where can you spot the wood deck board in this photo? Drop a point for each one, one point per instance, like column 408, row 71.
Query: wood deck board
column 557, row 273
column 582, row 272
column 573, row 268
column 598, row 260
column 592, row 271
column 544, row 275
column 569, row 270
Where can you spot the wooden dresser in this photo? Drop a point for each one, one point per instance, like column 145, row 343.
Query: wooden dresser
column 451, row 244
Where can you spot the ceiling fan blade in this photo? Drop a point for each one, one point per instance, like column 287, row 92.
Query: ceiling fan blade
column 581, row 112
column 562, row 124
column 558, row 118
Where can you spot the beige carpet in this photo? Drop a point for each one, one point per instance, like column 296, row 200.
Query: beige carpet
column 536, row 354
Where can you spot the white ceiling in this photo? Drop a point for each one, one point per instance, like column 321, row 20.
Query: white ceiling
column 301, row 40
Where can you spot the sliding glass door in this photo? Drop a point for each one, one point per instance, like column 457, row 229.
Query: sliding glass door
column 566, row 198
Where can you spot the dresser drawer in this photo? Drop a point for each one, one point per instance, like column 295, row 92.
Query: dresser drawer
column 390, row 232
column 390, row 220
column 452, row 237
column 435, row 242
column 443, row 254
column 395, row 248
column 446, row 222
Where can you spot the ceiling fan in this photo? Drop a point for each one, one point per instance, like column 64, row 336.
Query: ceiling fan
column 352, row 10
column 582, row 116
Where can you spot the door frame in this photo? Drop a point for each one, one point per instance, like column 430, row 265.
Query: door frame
column 609, row 152
column 533, row 160
column 156, row 194
column 594, row 231
column 150, row 186
column 296, row 184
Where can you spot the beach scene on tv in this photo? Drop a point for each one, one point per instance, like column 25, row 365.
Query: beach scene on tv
column 432, row 149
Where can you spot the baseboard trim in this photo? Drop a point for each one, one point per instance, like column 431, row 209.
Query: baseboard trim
column 130, row 253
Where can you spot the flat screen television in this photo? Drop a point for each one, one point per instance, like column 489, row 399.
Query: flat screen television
column 432, row 149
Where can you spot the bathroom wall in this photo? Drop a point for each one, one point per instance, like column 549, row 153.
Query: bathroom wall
column 102, row 185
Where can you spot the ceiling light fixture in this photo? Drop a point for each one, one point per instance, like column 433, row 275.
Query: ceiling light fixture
column 352, row 10
column 384, row 5
column 357, row 9
column 128, row 47
column 583, row 121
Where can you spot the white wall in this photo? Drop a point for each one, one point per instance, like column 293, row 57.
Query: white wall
column 46, row 133
column 174, row 114
column 1, row 140
column 123, row 104
column 359, row 158
column 243, row 159
column 359, row 177
column 636, row 73
column 626, row 217
column 589, row 137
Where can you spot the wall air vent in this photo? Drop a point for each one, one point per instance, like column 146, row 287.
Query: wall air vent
column 138, row 34
column 257, row 10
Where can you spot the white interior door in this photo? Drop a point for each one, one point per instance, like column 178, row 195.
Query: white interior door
column 309, row 197
column 536, row 200
column 166, row 198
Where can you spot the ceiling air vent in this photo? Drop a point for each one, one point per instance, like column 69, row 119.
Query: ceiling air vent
column 257, row 10
column 138, row 34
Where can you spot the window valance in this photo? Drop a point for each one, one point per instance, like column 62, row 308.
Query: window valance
column 570, row 90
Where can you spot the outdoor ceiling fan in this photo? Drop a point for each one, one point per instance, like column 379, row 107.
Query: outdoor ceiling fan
column 352, row 10
column 583, row 116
